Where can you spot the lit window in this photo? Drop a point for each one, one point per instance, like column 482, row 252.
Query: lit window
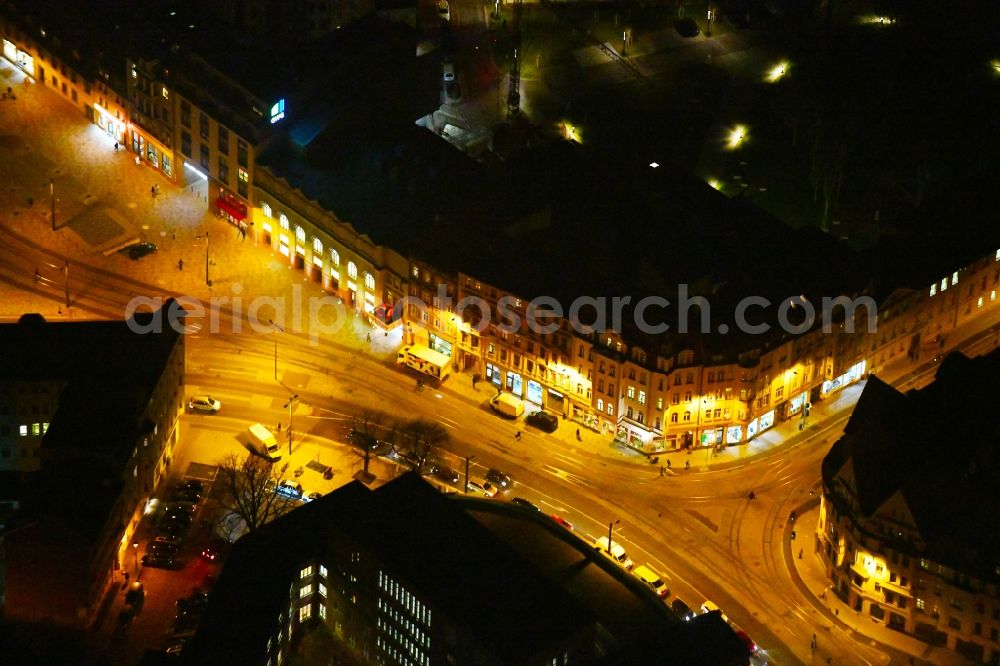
column 979, row 303
column 24, row 430
column 416, row 271
column 317, row 246
column 642, row 397
column 36, row 429
column 600, row 404
column 322, row 589
column 136, row 75
column 306, row 590
column 954, row 278
column 334, row 257
column 944, row 284
column 369, row 281
column 933, row 289
column 306, row 572
column 45, row 428
column 611, row 409
column 993, row 295
column 266, row 208
column 300, row 235
column 322, row 611
column 305, row 613
column 166, row 93
column 283, row 219
column 243, row 175
column 631, row 392
column 352, row 270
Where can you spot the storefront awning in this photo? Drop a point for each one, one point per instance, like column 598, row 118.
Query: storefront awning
column 232, row 209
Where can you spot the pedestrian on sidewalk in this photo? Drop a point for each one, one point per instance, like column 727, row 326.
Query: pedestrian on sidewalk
column 152, row 191
column 369, row 336
column 661, row 470
column 800, row 553
column 687, row 464
column 517, row 435
column 475, row 380
column 59, row 310
column 668, row 463
column 279, row 426
column 180, row 264
column 116, row 146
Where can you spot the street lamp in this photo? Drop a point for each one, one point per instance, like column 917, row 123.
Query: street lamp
column 276, row 330
column 291, row 406
column 135, row 552
column 467, row 459
column 66, row 269
column 611, row 528
column 52, row 196
column 208, row 281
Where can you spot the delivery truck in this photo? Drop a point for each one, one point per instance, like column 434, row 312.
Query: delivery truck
column 426, row 360
column 263, row 442
column 507, row 405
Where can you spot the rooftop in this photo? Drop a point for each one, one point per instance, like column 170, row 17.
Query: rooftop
column 107, row 374
column 947, row 469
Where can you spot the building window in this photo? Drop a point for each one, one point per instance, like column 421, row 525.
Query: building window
column 204, row 156
column 600, row 404
column 241, row 153
column 24, row 430
column 185, row 113
column 242, row 185
column 203, row 125
column 642, row 397
column 334, row 257
column 266, row 210
column 673, row 417
column 300, row 235
column 223, row 171
column 317, row 246
column 305, row 613
column 305, row 590
column 305, row 572
column 611, row 409
column 369, row 281
column 224, row 141
column 322, row 589
column 687, row 416
column 352, row 270
column 186, row 144
column 631, row 392
column 322, row 611
column 283, row 220
column 322, row 571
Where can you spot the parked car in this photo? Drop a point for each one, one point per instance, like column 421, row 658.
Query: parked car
column 653, row 580
column 442, row 473
column 489, row 489
column 162, row 548
column 543, row 421
column 214, row 549
column 140, row 250
column 686, row 27
column 747, row 641
column 478, row 488
column 159, row 561
column 682, row 609
column 289, row 489
column 614, row 551
column 562, row 521
column 309, row 497
column 205, row 404
column 501, row 479
column 136, row 596
column 520, row 501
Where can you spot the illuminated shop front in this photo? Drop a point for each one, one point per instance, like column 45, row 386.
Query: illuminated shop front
column 712, row 437
column 494, row 375
column 24, row 60
column 534, row 394
column 734, row 435
column 515, row 383
column 759, row 425
column 853, row 374
column 797, row 402
column 152, row 152
column 438, row 344
column 112, row 125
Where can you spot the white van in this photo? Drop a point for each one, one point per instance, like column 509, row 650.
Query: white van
column 615, row 552
column 507, row 405
column 263, row 442
column 652, row 579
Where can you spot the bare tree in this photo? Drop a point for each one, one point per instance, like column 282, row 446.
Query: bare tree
column 417, row 440
column 247, row 486
column 368, row 427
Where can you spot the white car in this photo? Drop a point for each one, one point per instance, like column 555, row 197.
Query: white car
column 204, row 403
column 484, row 488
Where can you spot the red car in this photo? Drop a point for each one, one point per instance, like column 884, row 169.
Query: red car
column 562, row 521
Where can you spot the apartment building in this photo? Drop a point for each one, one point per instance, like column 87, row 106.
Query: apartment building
column 901, row 532
column 100, row 426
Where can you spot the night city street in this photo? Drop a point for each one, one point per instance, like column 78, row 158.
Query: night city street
column 510, row 332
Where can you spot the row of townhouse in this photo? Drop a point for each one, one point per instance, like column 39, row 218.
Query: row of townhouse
column 189, row 117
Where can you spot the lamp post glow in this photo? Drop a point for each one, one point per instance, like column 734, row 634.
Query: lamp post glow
column 611, row 527
column 276, row 330
column 736, row 137
column 777, row 72
column 135, row 553
column 291, row 406
column 467, row 460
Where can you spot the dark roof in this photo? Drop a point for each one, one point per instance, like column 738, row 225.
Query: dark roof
column 525, row 612
column 947, row 468
column 107, row 374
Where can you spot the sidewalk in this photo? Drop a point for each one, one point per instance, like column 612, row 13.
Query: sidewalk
column 835, row 614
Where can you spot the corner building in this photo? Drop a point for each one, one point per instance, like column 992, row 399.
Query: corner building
column 906, row 529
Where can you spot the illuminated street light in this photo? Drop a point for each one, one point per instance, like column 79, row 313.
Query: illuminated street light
column 777, row 72
column 653, row 165
column 995, row 64
column 571, row 132
column 715, row 183
column 468, row 459
column 736, row 137
column 291, row 405
column 277, row 329
column 135, row 559
column 611, row 528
